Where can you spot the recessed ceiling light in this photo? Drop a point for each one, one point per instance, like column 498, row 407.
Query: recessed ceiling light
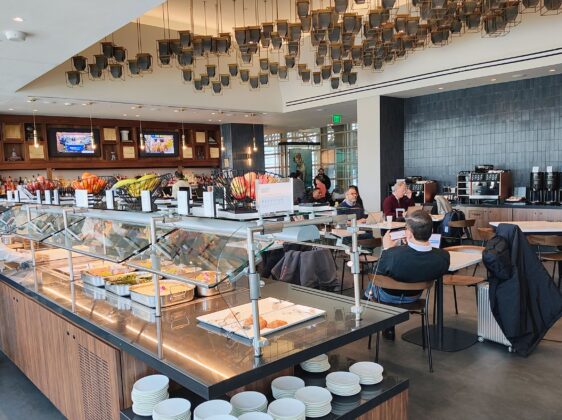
column 84, row 104
column 517, row 75
column 176, row 110
column 552, row 70
column 137, row 115
column 34, row 110
column 17, row 19
column 320, row 109
column 133, row 107
column 246, row 115
column 213, row 113
column 493, row 80
column 67, row 103
column 31, row 100
column 124, row 115
column 10, row 109
column 154, row 109
column 49, row 102
column 210, row 120
column 264, row 113
column 220, row 120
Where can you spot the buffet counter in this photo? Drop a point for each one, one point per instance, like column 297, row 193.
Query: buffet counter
column 134, row 342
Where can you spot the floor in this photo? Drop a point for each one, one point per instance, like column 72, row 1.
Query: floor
column 482, row 382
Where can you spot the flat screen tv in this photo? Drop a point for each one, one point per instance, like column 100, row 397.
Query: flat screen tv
column 160, row 144
column 72, row 142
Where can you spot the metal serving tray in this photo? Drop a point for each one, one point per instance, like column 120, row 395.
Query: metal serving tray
column 97, row 281
column 167, row 300
column 120, row 303
column 94, row 292
column 123, row 289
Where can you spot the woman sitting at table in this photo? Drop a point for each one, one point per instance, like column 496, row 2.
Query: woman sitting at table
column 401, row 198
column 413, row 262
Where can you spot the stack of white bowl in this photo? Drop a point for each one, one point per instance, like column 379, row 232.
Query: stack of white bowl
column 286, row 386
column 212, row 408
column 316, row 364
column 172, row 409
column 255, row 415
column 147, row 392
column 287, row 409
column 248, row 401
column 343, row 384
column 369, row 373
column 316, row 399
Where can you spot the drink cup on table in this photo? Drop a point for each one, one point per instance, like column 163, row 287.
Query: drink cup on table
column 389, row 219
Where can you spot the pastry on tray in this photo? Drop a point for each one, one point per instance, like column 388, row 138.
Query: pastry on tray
column 248, row 322
column 276, row 323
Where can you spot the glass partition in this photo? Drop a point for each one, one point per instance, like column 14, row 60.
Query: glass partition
column 112, row 240
column 10, row 217
column 44, row 224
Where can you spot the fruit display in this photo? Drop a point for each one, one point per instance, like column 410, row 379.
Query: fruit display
column 90, row 182
column 40, row 184
column 238, row 188
column 133, row 186
column 244, row 186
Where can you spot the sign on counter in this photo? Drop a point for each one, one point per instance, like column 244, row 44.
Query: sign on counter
column 274, row 198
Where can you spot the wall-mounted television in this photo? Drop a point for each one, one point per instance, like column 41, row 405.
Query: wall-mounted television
column 160, row 144
column 73, row 142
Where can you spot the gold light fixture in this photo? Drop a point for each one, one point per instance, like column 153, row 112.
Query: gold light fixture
column 255, row 148
column 141, row 137
column 35, row 136
column 183, row 145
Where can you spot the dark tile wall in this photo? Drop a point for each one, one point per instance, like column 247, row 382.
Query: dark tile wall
column 515, row 125
column 392, row 146
column 236, row 139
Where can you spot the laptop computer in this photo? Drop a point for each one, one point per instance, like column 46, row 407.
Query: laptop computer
column 427, row 208
column 374, row 217
column 435, row 240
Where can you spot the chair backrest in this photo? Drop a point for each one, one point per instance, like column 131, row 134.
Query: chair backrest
column 462, row 223
column 545, row 240
column 389, row 283
column 486, row 233
column 371, row 243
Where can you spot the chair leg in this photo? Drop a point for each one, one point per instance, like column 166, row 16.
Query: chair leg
column 475, row 268
column 342, row 274
column 428, row 339
column 434, row 304
column 455, row 296
column 370, row 339
column 423, row 332
column 377, row 347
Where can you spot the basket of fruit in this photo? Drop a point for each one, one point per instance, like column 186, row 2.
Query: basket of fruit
column 94, row 184
column 128, row 191
column 240, row 187
column 40, row 184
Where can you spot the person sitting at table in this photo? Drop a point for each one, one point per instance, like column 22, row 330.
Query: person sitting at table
column 351, row 206
column 315, row 196
column 359, row 199
column 413, row 262
column 401, row 198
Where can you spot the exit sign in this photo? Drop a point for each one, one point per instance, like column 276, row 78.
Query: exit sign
column 336, row 119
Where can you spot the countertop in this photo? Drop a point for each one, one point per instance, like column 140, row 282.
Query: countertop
column 207, row 362
column 511, row 206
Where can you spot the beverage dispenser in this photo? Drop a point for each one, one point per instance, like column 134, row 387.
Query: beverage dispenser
column 537, row 187
column 552, row 187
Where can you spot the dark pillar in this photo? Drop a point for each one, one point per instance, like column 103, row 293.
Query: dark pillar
column 239, row 153
column 391, row 141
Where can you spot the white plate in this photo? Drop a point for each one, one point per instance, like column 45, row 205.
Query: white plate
column 248, row 401
column 313, row 396
column 371, row 381
column 342, row 379
column 369, row 369
column 212, row 408
column 345, row 392
column 221, row 417
column 151, row 384
column 287, row 408
column 172, row 408
column 255, row 416
column 287, row 384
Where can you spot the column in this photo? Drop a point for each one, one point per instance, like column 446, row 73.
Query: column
column 369, row 152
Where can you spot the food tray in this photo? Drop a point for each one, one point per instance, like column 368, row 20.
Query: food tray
column 97, row 281
column 123, row 289
column 185, row 293
column 94, row 292
column 143, row 312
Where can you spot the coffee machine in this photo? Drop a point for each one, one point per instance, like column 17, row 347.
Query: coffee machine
column 490, row 184
column 551, row 187
column 536, row 189
column 423, row 191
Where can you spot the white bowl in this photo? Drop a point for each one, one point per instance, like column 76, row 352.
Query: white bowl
column 171, row 408
column 248, row 401
column 212, row 408
column 255, row 415
column 286, row 408
column 151, row 384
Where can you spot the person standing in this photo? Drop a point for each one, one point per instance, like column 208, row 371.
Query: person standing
column 324, row 178
column 401, row 198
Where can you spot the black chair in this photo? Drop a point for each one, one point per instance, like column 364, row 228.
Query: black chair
column 366, row 260
column 420, row 307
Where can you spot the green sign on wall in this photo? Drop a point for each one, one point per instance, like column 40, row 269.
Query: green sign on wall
column 336, row 119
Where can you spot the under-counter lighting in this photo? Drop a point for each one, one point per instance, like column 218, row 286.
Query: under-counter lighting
column 10, row 109
column 440, row 88
column 86, row 308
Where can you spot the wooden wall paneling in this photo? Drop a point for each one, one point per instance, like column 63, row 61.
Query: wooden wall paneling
column 7, row 322
column 395, row 408
column 522, row 215
column 132, row 369
column 13, row 132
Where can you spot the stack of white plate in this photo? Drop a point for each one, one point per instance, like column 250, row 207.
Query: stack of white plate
column 369, row 373
column 286, row 386
column 172, row 409
column 248, row 401
column 147, row 392
column 316, row 364
column 255, row 415
column 316, row 399
column 222, row 417
column 287, row 409
column 211, row 408
column 343, row 384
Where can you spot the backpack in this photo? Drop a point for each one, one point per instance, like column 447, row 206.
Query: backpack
column 497, row 258
column 445, row 230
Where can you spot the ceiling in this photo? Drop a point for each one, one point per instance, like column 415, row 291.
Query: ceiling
column 35, row 68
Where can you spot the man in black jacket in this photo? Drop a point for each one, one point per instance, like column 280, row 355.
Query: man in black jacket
column 410, row 263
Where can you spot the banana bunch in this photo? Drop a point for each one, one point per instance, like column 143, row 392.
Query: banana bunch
column 134, row 186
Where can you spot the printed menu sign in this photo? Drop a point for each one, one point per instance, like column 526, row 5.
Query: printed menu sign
column 274, row 198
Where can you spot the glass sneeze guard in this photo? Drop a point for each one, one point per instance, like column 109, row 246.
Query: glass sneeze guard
column 45, row 225
column 111, row 240
column 11, row 217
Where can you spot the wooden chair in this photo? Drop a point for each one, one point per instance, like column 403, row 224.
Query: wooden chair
column 554, row 256
column 486, row 234
column 465, row 225
column 418, row 307
column 366, row 261
column 461, row 280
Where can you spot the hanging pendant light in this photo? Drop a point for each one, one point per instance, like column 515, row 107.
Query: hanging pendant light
column 183, row 144
column 141, row 137
column 35, row 136
column 92, row 128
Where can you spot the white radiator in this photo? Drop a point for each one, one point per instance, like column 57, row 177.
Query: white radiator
column 488, row 328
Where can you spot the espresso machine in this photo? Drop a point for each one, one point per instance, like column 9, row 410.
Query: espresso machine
column 490, row 184
column 423, row 191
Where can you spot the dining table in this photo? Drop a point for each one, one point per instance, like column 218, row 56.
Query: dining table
column 382, row 226
column 444, row 338
column 535, row 226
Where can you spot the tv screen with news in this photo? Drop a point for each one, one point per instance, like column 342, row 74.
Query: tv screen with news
column 160, row 144
column 73, row 142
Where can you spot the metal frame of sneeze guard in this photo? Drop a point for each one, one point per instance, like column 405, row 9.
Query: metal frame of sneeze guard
column 259, row 342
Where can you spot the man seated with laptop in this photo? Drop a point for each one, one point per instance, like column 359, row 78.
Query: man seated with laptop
column 351, row 206
column 412, row 262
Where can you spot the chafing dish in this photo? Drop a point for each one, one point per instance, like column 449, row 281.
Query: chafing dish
column 120, row 284
column 171, row 293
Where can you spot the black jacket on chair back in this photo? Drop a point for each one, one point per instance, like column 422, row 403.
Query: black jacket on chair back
column 528, row 303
